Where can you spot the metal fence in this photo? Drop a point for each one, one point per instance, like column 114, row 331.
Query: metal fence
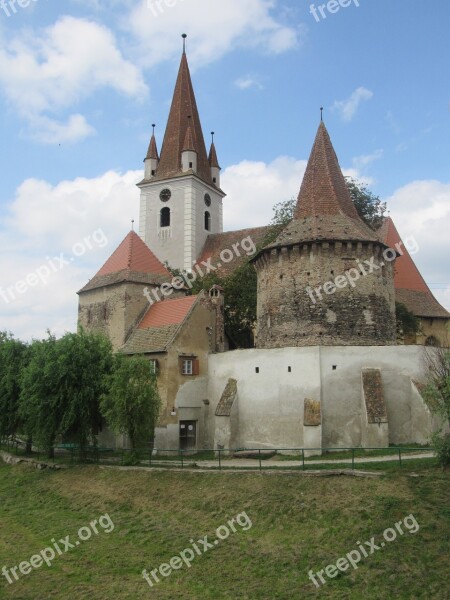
column 222, row 459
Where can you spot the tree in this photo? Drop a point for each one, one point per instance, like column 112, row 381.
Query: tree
column 370, row 208
column 437, row 394
column 13, row 356
column 407, row 322
column 62, row 386
column 131, row 403
column 40, row 407
column 84, row 359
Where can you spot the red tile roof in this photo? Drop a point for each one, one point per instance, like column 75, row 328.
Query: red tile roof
column 168, row 312
column 410, row 286
column 189, row 141
column 133, row 255
column 183, row 106
column 152, row 149
column 212, row 158
column 323, row 190
column 325, row 210
column 216, row 242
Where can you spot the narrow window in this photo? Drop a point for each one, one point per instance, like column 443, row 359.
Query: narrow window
column 165, row 217
column 154, row 366
column 207, row 221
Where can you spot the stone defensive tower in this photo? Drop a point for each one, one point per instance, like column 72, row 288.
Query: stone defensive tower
column 327, row 279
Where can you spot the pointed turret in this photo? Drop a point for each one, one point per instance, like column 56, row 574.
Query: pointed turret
column 152, row 159
column 214, row 163
column 326, row 280
column 183, row 106
column 325, row 210
column 189, row 154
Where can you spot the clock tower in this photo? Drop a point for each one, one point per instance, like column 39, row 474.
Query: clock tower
column 181, row 198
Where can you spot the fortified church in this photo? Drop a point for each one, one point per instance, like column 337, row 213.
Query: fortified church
column 327, row 369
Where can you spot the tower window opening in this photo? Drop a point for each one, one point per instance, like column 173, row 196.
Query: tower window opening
column 191, row 165
column 207, row 221
column 165, row 217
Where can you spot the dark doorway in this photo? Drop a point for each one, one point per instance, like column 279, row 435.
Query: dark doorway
column 188, row 435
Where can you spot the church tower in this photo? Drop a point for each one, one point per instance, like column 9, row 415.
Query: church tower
column 181, row 199
column 327, row 279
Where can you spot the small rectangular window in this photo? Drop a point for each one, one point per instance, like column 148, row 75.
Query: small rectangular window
column 187, row 367
column 154, row 366
column 256, row 369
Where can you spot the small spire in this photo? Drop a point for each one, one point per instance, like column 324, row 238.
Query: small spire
column 321, row 114
column 152, row 151
column 189, row 139
column 184, row 36
column 212, row 158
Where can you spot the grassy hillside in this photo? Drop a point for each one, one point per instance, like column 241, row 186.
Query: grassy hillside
column 298, row 524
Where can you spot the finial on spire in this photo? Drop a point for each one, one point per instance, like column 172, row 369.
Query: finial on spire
column 321, row 113
column 153, row 125
column 184, row 36
column 132, row 224
column 212, row 135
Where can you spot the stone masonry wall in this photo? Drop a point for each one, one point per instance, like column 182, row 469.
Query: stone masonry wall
column 363, row 314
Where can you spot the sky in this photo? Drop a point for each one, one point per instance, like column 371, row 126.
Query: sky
column 81, row 82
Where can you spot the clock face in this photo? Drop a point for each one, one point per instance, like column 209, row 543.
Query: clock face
column 207, row 200
column 165, row 195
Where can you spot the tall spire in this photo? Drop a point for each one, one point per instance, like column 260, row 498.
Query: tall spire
column 183, row 106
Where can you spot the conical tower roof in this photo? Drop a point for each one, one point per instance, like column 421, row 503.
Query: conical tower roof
column 183, row 114
column 152, row 148
column 212, row 158
column 324, row 210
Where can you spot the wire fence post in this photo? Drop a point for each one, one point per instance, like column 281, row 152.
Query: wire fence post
column 400, row 456
column 353, row 459
column 303, row 458
column 259, row 456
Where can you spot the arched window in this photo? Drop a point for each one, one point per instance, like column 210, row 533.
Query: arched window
column 165, row 217
column 207, row 221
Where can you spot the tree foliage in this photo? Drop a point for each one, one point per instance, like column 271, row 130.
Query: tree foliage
column 13, row 357
column 61, row 388
column 370, row 208
column 437, row 394
column 407, row 322
column 131, row 403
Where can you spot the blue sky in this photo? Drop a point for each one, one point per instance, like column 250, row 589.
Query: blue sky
column 81, row 81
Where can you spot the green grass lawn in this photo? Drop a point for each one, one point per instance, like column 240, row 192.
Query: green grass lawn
column 298, row 524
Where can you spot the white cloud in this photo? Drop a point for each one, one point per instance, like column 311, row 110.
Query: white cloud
column 348, row 108
column 245, row 83
column 45, row 221
column 422, row 209
column 214, row 28
column 253, row 189
column 50, row 131
column 44, row 73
